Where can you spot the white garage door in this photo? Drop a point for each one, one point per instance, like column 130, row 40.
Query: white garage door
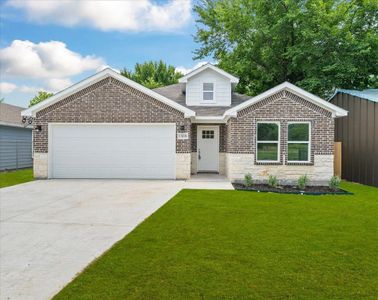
column 112, row 151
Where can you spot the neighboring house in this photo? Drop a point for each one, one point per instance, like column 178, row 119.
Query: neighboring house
column 358, row 134
column 108, row 126
column 15, row 139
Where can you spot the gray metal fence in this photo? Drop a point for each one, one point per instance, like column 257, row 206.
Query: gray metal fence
column 15, row 155
column 15, row 148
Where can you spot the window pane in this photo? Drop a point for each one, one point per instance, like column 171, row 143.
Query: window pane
column 268, row 151
column 298, row 132
column 207, row 95
column 297, row 152
column 207, row 134
column 208, row 86
column 267, row 132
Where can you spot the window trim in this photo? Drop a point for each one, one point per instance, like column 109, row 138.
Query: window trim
column 299, row 142
column 213, row 91
column 278, row 142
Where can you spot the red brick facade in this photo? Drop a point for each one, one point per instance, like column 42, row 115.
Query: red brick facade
column 109, row 101
column 282, row 107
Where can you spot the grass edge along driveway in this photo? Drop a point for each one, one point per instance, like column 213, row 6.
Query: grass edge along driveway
column 9, row 178
column 234, row 244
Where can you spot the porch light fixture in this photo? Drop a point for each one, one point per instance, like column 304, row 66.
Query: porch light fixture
column 38, row 128
column 182, row 127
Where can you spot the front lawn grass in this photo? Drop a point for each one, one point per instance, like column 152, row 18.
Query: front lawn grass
column 9, row 178
column 206, row 244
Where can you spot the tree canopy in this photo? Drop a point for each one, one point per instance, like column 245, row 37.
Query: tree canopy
column 318, row 45
column 41, row 96
column 153, row 74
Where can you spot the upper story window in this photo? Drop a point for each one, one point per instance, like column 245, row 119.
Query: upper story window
column 268, row 141
column 298, row 142
column 208, row 91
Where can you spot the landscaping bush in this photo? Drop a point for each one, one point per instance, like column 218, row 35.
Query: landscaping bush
column 334, row 182
column 272, row 181
column 302, row 182
column 248, row 180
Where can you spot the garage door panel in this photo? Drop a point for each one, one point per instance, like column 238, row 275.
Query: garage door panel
column 105, row 144
column 109, row 163
column 113, row 151
column 133, row 173
column 137, row 131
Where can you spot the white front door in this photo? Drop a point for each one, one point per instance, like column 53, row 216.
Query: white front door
column 208, row 148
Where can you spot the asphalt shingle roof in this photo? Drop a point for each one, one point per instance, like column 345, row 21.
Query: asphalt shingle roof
column 175, row 93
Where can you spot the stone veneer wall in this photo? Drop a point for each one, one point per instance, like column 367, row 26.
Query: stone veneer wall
column 183, row 165
column 109, row 101
column 319, row 172
column 222, row 163
column 282, row 107
column 40, row 165
column 193, row 166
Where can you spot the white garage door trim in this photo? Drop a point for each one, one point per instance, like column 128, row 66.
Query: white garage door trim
column 51, row 127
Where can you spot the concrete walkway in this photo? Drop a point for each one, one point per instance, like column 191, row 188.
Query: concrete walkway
column 208, row 181
column 52, row 229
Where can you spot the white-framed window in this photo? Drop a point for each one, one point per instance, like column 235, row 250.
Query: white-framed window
column 268, row 141
column 208, row 134
column 208, row 91
column 299, row 141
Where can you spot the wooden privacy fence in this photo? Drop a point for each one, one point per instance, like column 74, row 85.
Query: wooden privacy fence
column 337, row 159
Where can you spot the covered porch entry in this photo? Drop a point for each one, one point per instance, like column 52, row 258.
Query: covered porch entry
column 208, row 155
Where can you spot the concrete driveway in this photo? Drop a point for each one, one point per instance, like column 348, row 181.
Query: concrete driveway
column 52, row 229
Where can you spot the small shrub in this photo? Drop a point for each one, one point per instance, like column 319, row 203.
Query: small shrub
column 302, row 182
column 248, row 180
column 272, row 181
column 334, row 182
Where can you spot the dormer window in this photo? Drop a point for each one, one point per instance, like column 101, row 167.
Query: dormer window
column 208, row 91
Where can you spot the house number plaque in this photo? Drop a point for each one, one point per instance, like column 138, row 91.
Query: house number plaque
column 182, row 136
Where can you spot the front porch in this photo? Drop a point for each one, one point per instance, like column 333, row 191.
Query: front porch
column 208, row 149
column 208, row 181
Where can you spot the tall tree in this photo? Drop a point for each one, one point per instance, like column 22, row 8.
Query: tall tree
column 153, row 74
column 319, row 45
column 41, row 96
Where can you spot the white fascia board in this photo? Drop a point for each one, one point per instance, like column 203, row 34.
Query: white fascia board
column 209, row 119
column 336, row 111
column 185, row 78
column 31, row 112
column 16, row 125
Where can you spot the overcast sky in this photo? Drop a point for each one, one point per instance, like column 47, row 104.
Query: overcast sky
column 49, row 45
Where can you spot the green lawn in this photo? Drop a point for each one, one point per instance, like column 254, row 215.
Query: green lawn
column 8, row 178
column 235, row 244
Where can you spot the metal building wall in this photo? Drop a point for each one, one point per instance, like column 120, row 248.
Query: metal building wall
column 358, row 133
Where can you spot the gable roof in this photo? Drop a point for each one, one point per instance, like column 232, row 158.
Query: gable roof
column 10, row 115
column 185, row 78
column 368, row 94
column 176, row 93
column 96, row 78
column 335, row 110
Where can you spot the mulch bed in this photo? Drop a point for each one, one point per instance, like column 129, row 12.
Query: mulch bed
column 290, row 189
